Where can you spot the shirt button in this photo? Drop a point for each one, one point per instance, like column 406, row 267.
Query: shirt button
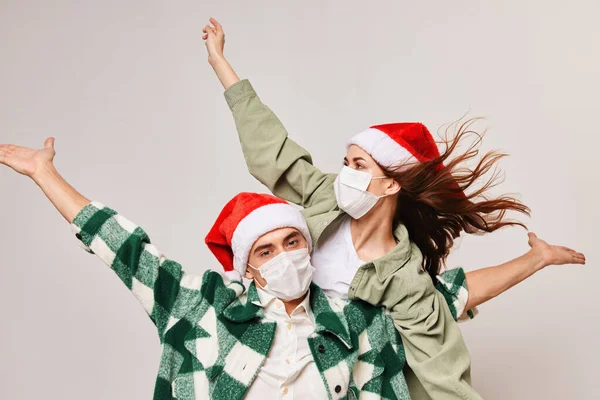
column 288, row 362
column 285, row 390
column 278, row 304
column 289, row 326
column 338, row 389
column 321, row 349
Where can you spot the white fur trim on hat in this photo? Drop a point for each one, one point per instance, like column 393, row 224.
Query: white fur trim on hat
column 385, row 150
column 260, row 221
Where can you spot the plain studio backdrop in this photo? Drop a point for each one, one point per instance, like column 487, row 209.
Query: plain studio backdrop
column 142, row 126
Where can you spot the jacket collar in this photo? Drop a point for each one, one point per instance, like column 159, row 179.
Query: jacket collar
column 398, row 257
column 239, row 311
column 328, row 313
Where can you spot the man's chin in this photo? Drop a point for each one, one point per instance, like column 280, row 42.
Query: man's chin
column 297, row 299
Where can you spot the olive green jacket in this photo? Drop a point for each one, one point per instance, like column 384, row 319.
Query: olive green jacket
column 435, row 349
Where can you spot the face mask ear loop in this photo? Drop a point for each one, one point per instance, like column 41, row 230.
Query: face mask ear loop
column 381, row 177
column 254, row 279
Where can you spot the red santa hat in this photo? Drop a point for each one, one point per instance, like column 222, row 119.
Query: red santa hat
column 397, row 143
column 400, row 143
column 242, row 221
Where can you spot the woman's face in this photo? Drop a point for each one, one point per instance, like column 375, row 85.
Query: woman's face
column 358, row 159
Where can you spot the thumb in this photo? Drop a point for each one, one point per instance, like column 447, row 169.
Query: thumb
column 49, row 143
column 532, row 236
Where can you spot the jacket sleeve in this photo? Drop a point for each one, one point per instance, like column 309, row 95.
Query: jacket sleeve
column 164, row 290
column 275, row 160
column 452, row 284
column 435, row 349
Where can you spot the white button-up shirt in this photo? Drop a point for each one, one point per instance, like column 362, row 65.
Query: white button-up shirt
column 289, row 371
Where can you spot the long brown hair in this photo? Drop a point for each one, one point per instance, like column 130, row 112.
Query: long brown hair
column 433, row 202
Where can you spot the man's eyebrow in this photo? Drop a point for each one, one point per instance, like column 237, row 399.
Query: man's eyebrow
column 263, row 247
column 359, row 158
column 291, row 235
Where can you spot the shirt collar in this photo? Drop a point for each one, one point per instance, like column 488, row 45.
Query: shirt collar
column 265, row 299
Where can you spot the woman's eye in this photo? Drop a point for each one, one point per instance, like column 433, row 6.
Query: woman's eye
column 358, row 166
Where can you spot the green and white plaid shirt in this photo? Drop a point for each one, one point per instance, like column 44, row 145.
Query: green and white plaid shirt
column 214, row 339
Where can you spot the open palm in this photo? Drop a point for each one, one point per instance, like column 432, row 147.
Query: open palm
column 27, row 161
column 555, row 255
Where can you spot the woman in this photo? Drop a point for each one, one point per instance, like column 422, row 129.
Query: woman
column 388, row 221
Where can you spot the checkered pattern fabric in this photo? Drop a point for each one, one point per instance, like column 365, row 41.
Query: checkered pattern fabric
column 214, row 339
column 453, row 285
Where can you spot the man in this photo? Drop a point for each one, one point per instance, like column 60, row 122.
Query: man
column 282, row 338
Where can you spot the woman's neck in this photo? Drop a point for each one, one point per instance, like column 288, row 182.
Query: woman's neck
column 372, row 234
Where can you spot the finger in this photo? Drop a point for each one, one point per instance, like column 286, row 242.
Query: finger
column 205, row 37
column 216, row 24
column 10, row 148
column 6, row 158
column 579, row 260
column 532, row 235
column 567, row 249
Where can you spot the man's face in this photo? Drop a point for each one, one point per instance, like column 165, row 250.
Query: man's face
column 270, row 245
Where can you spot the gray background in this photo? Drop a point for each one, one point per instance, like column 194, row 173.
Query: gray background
column 142, row 126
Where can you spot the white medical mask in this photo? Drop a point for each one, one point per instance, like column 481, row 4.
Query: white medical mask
column 288, row 274
column 350, row 189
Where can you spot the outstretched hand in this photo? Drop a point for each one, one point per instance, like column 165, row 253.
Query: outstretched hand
column 27, row 161
column 214, row 39
column 552, row 254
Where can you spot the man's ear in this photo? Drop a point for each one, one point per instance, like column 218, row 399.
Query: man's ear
column 249, row 274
